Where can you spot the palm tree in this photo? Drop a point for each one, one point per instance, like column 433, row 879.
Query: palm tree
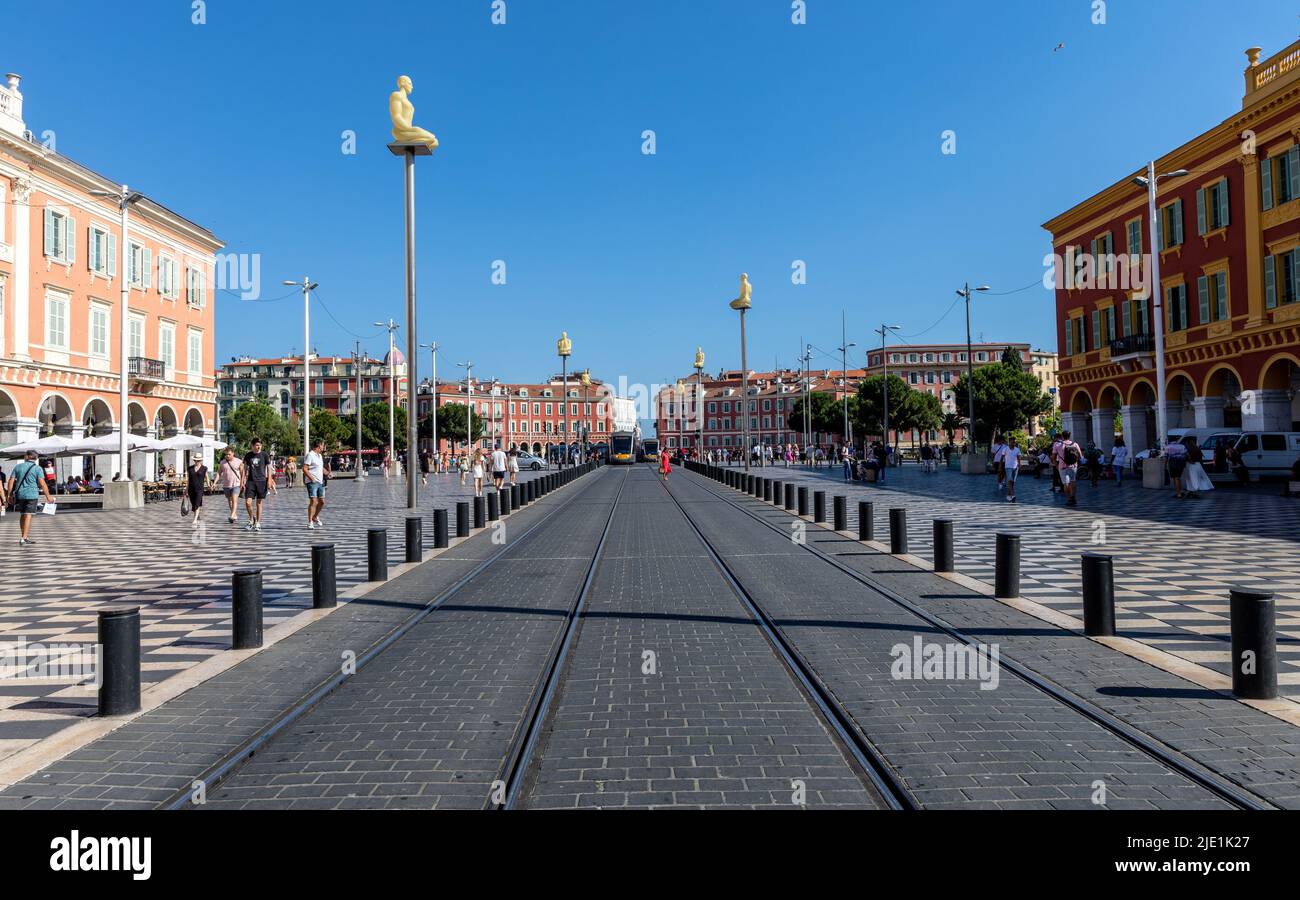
column 951, row 422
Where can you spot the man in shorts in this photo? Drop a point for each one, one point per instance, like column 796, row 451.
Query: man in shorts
column 313, row 476
column 256, row 475
column 231, row 474
column 1067, row 464
column 26, row 484
column 499, row 466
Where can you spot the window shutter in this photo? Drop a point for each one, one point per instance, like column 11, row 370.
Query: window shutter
column 1293, row 170
column 92, row 249
column 148, row 268
column 1200, row 212
column 1223, row 203
column 1142, row 315
column 1270, row 282
column 112, row 255
column 1126, row 313
column 51, row 237
column 1069, row 337
column 1110, row 323
column 70, row 240
column 1096, row 329
column 1178, row 222
column 1295, row 278
column 1221, row 294
column 1266, row 182
column 1182, row 306
column 1160, row 229
column 1169, row 309
column 1203, row 292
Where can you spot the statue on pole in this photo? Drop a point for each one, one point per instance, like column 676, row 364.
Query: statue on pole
column 402, row 112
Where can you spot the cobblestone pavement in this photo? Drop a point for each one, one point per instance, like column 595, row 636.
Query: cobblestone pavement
column 1175, row 560
column 180, row 578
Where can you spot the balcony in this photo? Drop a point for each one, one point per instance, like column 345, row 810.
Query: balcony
column 1137, row 351
column 146, row 370
column 1271, row 75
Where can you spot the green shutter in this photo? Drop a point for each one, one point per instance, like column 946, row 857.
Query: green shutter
column 1069, row 337
column 92, row 248
column 70, row 240
column 1200, row 212
column 1096, row 329
column 1223, row 203
column 1266, row 182
column 1142, row 315
column 112, row 255
column 1295, row 277
column 148, row 268
column 1127, row 316
column 1160, row 229
column 1293, row 171
column 1110, row 323
column 51, row 234
column 1203, row 293
column 1221, row 288
column 1270, row 282
column 1178, row 222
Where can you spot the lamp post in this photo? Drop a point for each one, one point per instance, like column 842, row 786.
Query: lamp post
column 307, row 287
column 679, row 392
column 356, row 356
column 564, row 347
column 392, row 392
column 433, row 421
column 741, row 304
column 806, row 359
column 1151, row 182
column 699, row 401
column 970, row 367
column 586, row 414
column 884, row 330
column 125, row 198
column 845, row 344
column 468, row 366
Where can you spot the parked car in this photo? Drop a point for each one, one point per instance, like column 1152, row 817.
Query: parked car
column 1270, row 454
column 535, row 463
column 1205, row 438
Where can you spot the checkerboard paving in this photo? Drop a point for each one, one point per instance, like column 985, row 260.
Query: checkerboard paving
column 1174, row 560
column 89, row 560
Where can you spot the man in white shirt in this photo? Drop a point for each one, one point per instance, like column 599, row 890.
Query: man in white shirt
column 1011, row 467
column 498, row 467
column 313, row 477
column 999, row 463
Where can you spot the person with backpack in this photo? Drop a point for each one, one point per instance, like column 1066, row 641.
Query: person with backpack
column 1068, row 460
column 1094, row 457
column 27, row 484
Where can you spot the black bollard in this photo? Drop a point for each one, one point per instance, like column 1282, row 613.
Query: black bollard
column 119, row 663
column 324, row 584
column 1254, row 644
column 515, row 493
column 414, row 539
column 1006, row 578
column 943, row 545
column 866, row 520
column 440, row 539
column 841, row 513
column 377, row 554
column 789, row 495
column 462, row 518
column 770, row 489
column 480, row 512
column 803, row 501
column 493, row 510
column 503, row 501
column 1098, row 595
column 246, row 608
column 898, row 530
column 819, row 506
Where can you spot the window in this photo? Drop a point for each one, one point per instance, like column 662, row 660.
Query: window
column 101, row 251
column 1176, row 307
column 195, row 358
column 135, row 336
column 60, row 236
column 168, row 280
column 1212, row 207
column 713, row 407
column 99, row 331
column 196, row 287
column 1170, row 222
column 1134, row 229
column 1272, row 442
column 1103, row 253
column 947, row 357
column 981, row 356
column 1212, row 293
column 139, row 261
column 56, row 321
column 549, row 408
column 167, row 344
column 1281, row 279
column 1279, row 178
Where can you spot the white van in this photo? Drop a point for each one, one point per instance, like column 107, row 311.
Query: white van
column 1269, row 453
column 1188, row 436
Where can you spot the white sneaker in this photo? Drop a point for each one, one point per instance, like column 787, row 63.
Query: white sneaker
column 257, row 527
column 311, row 524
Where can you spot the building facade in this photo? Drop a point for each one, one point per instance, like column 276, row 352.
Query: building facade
column 1228, row 239
column 61, row 312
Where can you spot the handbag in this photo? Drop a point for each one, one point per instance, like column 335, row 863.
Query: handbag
column 185, row 507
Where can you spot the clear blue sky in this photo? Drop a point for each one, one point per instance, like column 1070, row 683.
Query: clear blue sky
column 774, row 143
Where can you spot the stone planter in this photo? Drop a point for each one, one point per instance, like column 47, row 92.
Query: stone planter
column 1153, row 473
column 974, row 464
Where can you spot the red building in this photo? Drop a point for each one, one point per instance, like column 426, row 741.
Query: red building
column 1229, row 245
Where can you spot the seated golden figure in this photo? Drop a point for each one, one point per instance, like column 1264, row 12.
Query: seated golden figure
column 402, row 112
column 743, row 302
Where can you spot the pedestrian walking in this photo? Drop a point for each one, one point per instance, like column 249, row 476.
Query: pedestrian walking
column 27, row 484
column 255, row 477
column 1119, row 460
column 196, row 482
column 424, row 467
column 512, row 465
column 476, row 469
column 1176, row 455
column 1068, row 466
column 499, row 463
column 1011, row 466
column 291, row 472
column 665, row 466
column 1094, row 456
column 230, row 473
column 313, row 476
column 1196, row 478
column 999, row 464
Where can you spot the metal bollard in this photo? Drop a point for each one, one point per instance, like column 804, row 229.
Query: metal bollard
column 503, row 501
column 462, row 518
column 440, row 538
column 943, row 545
column 493, row 510
column 515, row 493
column 480, row 512
column 1254, row 644
column 769, row 486
column 1006, row 578
column 1098, row 595
column 803, row 501
column 789, row 495
column 819, row 506
column 119, row 665
column 246, row 609
column 414, row 539
column 898, row 530
column 840, row 518
column 377, row 554
column 324, row 584
column 758, row 486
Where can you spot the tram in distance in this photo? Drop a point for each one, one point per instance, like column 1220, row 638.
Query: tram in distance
column 623, row 448
column 650, row 450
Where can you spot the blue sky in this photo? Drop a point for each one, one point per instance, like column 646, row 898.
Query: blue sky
column 775, row 143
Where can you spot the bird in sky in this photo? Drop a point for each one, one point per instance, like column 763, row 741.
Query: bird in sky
column 1060, row 46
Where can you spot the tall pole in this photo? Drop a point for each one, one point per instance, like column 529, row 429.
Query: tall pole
column 970, row 377
column 564, row 366
column 361, row 470
column 412, row 345
column 392, row 398
column 123, row 341
column 469, row 409
column 884, row 359
column 306, row 365
column 433, row 362
column 844, row 373
column 744, row 389
column 699, row 401
column 1157, row 296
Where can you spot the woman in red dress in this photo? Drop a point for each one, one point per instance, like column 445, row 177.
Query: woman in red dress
column 664, row 466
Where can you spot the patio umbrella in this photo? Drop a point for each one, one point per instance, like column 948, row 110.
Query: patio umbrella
column 46, row 446
column 108, row 443
column 191, row 442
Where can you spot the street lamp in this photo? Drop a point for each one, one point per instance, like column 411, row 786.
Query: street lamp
column 586, row 414
column 392, row 392
column 741, row 304
column 699, row 401
column 883, row 331
column 433, row 352
column 970, row 367
column 564, row 347
column 1151, row 182
column 307, row 287
column 124, row 198
column 806, row 359
column 845, row 344
column 468, row 366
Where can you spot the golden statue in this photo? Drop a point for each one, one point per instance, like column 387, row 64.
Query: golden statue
column 586, row 378
column 742, row 302
column 564, row 346
column 402, row 112
column 699, row 357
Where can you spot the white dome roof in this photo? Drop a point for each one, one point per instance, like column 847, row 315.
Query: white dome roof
column 398, row 358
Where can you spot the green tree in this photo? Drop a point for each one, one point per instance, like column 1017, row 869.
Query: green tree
column 452, row 420
column 328, row 427
column 257, row 418
column 1006, row 398
column 374, row 426
column 827, row 414
column 951, row 422
column 1011, row 357
column 869, row 410
column 920, row 411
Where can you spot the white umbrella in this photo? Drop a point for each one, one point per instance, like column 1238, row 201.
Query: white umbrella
column 46, row 446
column 109, row 443
column 191, row 442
